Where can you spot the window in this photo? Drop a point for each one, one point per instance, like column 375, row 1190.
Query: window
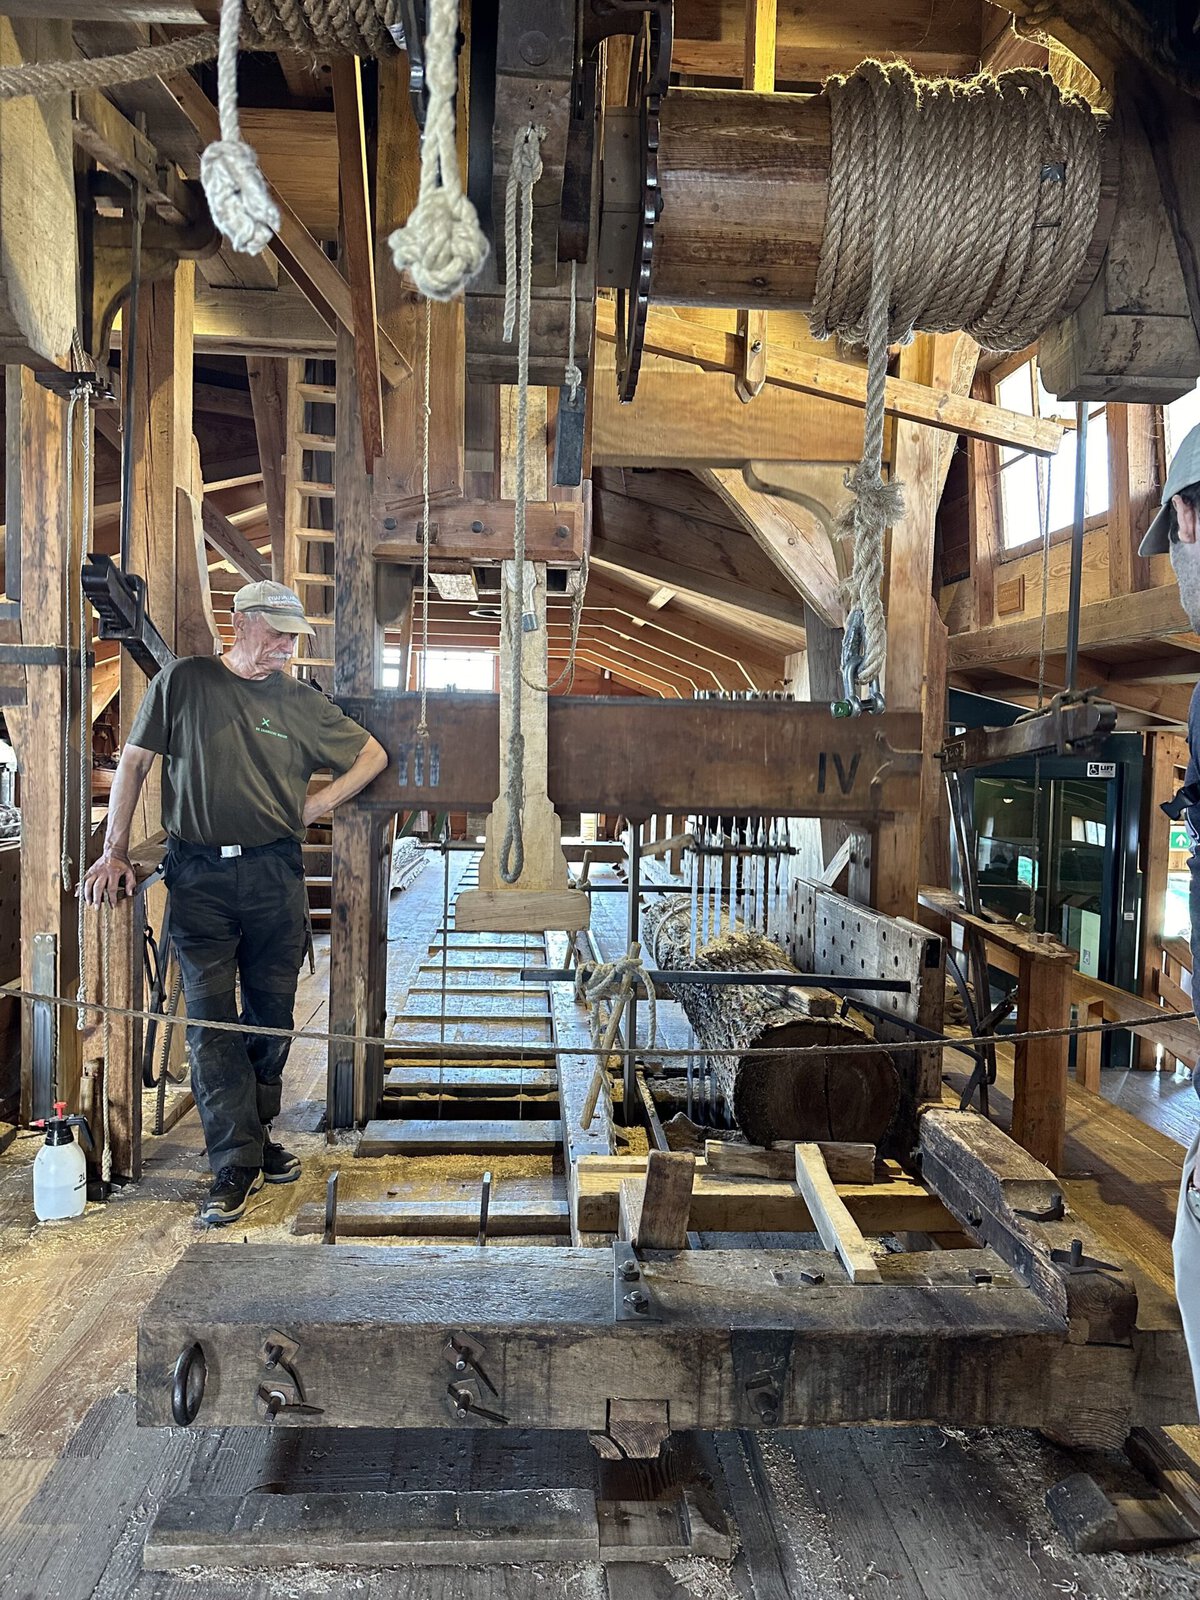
column 392, row 661
column 1033, row 488
column 1179, row 418
column 462, row 671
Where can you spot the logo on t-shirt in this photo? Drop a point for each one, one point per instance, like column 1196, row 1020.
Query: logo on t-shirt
column 265, row 727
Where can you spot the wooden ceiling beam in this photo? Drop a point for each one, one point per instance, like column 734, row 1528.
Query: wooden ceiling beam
column 684, row 340
column 232, row 544
column 1123, row 619
column 1168, row 701
column 792, row 539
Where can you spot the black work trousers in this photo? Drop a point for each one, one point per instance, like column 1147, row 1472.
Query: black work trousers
column 237, row 918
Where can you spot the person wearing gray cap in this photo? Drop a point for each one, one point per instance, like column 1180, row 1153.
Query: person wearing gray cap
column 1176, row 529
column 239, row 738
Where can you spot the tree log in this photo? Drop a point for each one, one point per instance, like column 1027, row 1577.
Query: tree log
column 805, row 1093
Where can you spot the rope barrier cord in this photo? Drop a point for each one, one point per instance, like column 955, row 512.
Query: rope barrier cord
column 952, row 205
column 423, row 724
column 321, row 1036
column 442, row 245
column 41, row 79
column 523, row 174
column 237, row 194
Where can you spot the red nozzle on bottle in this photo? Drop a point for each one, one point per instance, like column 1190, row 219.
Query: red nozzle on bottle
column 60, row 1108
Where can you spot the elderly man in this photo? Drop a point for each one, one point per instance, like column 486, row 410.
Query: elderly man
column 239, row 739
column 1176, row 529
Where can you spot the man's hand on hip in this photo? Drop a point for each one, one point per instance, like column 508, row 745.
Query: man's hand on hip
column 106, row 877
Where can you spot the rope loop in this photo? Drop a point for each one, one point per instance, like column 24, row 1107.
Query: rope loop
column 597, row 982
column 951, row 205
column 442, row 245
column 236, row 191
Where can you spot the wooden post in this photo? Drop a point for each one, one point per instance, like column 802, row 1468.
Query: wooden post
column 1039, row 1112
column 162, row 550
column 1133, row 497
column 37, row 506
column 359, row 898
column 916, row 672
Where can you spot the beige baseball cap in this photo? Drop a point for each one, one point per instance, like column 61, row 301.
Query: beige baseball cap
column 277, row 604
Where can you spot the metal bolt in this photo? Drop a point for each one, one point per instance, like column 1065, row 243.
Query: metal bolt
column 974, row 1220
column 629, row 1271
column 766, row 1405
column 460, row 1365
column 477, row 527
column 562, row 533
column 638, row 1300
column 273, row 1354
column 534, row 48
column 390, row 524
column 756, row 347
column 1076, row 1252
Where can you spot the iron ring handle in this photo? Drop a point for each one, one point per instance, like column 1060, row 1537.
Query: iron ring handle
column 187, row 1388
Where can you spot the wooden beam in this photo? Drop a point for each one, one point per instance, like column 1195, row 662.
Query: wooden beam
column 654, row 1210
column 358, row 243
column 1168, row 700
column 606, row 593
column 758, row 76
column 299, row 253
column 838, row 1230
column 231, row 544
column 37, row 204
column 683, row 340
column 1127, row 619
column 692, row 557
column 259, row 322
column 1133, row 477
column 792, row 539
column 482, row 532
column 268, row 395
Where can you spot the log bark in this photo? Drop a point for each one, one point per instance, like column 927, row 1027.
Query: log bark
column 805, row 1093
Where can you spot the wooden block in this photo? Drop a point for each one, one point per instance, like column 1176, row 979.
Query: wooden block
column 724, row 1204
column 439, row 1528
column 383, row 1136
column 516, row 911
column 642, row 1530
column 433, row 1219
column 1167, row 1466
column 469, row 1080
column 847, row 1163
column 838, row 1229
column 1083, row 1514
column 654, row 1211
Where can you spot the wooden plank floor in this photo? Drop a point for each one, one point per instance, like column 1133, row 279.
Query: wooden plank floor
column 902, row 1514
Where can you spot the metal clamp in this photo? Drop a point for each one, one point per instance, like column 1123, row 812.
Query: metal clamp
column 632, row 1298
column 463, row 1353
column 853, row 653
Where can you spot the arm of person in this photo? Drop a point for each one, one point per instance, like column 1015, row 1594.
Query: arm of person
column 371, row 760
column 113, row 870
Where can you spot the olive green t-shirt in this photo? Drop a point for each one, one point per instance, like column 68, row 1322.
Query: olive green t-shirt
column 238, row 752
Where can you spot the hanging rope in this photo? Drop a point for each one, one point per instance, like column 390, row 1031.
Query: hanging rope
column 441, row 246
column 85, row 704
column 237, row 194
column 41, row 79
column 952, row 205
column 423, row 724
column 523, row 174
column 572, row 376
column 577, row 604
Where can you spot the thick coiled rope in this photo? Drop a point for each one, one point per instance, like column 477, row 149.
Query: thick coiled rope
column 441, row 246
column 952, row 205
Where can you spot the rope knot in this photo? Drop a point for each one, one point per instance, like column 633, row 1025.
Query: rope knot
column 237, row 195
column 527, row 155
column 441, row 246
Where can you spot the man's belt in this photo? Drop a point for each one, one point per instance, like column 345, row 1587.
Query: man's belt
column 228, row 852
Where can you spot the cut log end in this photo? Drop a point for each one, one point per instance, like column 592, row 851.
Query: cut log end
column 810, row 1095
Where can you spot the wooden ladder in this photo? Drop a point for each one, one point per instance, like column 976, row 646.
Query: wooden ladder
column 308, row 547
